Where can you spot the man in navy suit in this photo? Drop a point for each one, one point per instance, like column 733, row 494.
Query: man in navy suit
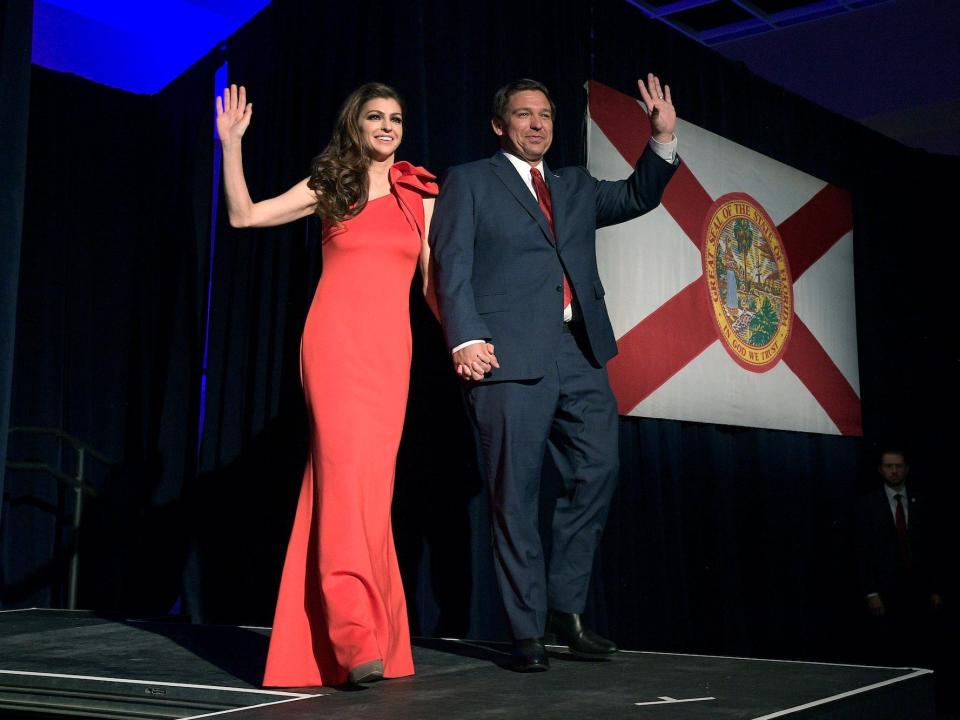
column 514, row 252
column 899, row 563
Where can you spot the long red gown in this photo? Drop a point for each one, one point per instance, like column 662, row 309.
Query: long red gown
column 341, row 600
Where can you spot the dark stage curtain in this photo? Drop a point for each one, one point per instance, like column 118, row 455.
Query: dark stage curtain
column 729, row 540
column 115, row 227
column 16, row 21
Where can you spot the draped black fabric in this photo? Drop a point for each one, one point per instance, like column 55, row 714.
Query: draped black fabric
column 730, row 540
column 16, row 21
column 115, row 223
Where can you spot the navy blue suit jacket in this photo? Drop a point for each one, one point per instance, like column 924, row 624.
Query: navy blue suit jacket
column 498, row 275
column 879, row 544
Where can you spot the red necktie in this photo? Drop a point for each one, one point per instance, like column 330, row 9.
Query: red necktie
column 901, row 521
column 546, row 205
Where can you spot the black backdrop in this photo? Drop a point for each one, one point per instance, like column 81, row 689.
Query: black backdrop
column 721, row 539
column 15, row 41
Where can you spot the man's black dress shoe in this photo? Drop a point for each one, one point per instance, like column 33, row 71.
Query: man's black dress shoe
column 529, row 656
column 567, row 629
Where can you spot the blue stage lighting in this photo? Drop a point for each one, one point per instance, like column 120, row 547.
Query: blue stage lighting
column 136, row 46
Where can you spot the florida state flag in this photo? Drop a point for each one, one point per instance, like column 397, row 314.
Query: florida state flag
column 733, row 301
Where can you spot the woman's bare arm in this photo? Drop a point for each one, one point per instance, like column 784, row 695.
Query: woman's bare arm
column 233, row 118
column 429, row 292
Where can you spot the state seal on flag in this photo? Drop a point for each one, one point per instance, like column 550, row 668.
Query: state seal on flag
column 748, row 281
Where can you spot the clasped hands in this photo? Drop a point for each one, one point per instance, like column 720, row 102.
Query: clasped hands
column 474, row 361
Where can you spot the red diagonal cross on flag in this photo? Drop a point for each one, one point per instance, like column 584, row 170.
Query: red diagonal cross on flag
column 681, row 328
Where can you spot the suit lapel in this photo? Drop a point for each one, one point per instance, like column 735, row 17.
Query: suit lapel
column 915, row 513
column 558, row 193
column 511, row 178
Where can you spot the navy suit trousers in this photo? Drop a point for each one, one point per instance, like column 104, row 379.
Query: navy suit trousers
column 572, row 412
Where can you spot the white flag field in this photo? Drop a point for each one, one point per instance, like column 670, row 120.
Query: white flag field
column 732, row 302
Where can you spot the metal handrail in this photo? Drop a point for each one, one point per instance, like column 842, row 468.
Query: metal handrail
column 75, row 441
column 57, row 474
column 76, row 481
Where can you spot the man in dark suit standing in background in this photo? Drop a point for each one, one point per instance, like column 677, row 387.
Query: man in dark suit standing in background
column 514, row 252
column 898, row 551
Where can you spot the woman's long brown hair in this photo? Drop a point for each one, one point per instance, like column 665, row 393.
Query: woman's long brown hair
column 338, row 175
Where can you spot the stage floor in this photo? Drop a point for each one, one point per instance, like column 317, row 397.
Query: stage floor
column 57, row 663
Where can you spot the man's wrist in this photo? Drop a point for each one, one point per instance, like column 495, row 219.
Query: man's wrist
column 664, row 150
column 462, row 345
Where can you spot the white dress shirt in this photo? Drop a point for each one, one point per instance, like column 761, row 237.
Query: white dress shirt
column 892, row 499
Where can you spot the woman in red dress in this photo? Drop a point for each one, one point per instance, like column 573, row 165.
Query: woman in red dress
column 341, row 614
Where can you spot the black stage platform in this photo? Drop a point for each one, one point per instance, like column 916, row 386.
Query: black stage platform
column 56, row 663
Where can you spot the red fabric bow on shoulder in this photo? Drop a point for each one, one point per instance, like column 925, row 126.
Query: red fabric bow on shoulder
column 411, row 183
